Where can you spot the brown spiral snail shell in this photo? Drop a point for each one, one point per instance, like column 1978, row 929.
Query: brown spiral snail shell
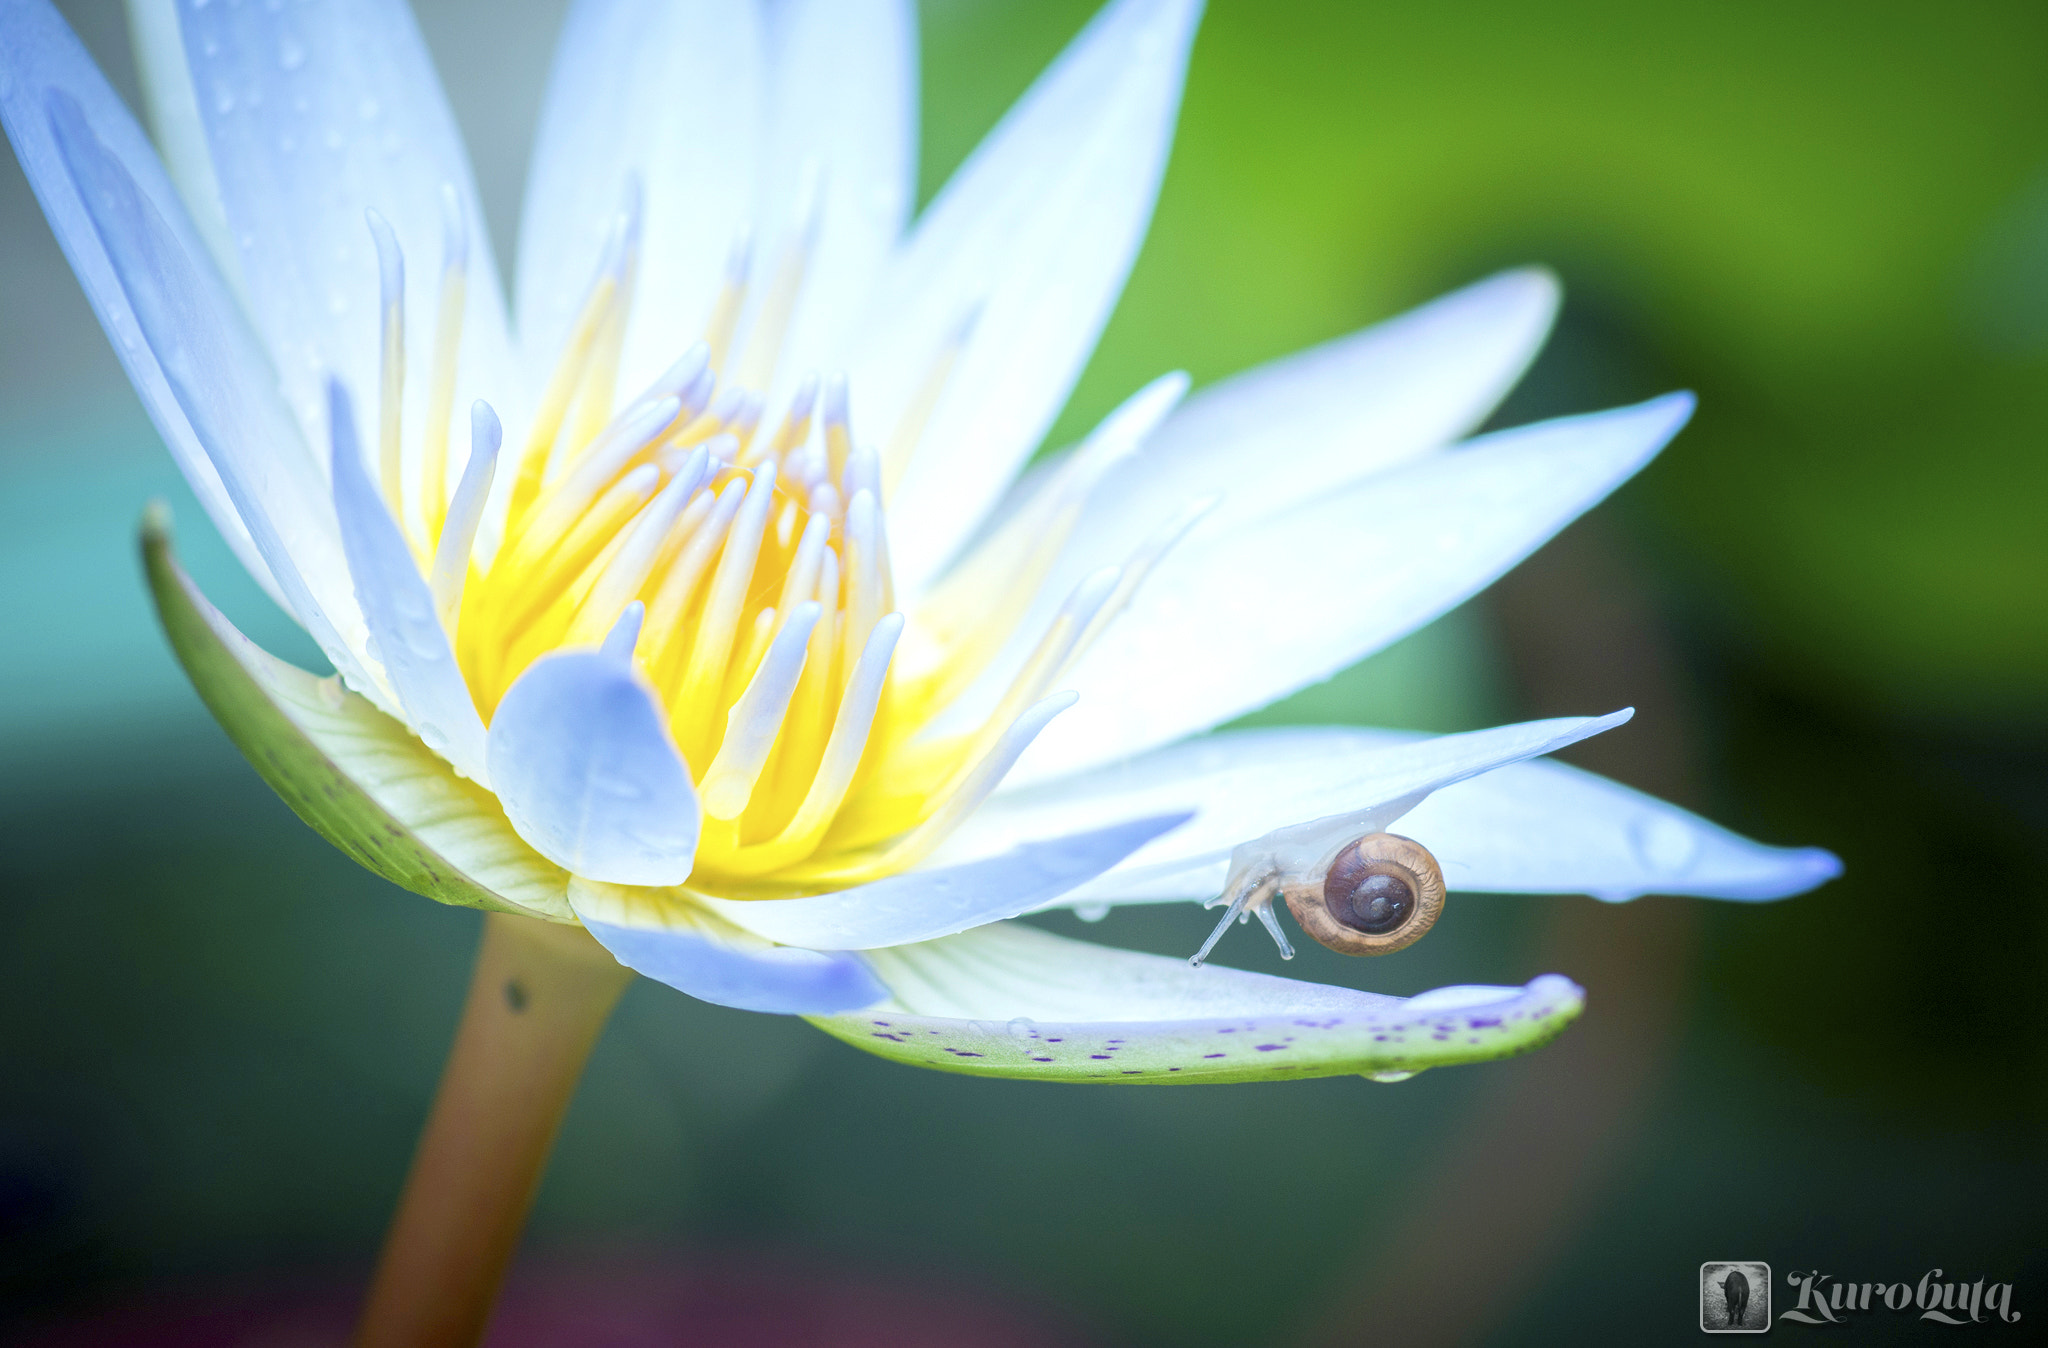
column 1380, row 893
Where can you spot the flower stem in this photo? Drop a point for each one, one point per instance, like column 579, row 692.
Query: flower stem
column 539, row 997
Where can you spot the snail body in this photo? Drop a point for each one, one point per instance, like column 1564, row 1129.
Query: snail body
column 1378, row 894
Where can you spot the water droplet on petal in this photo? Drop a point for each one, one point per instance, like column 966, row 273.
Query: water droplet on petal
column 1091, row 912
column 1388, row 1076
column 1663, row 843
column 1023, row 1028
column 431, row 735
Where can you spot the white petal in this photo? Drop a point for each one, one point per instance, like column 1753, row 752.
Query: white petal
column 924, row 904
column 1521, row 828
column 226, row 392
column 1035, row 235
column 843, row 124
column 668, row 94
column 1006, row 1000
column 399, row 608
column 1273, row 437
column 313, row 115
column 580, row 754
column 1231, row 621
column 1548, row 828
column 41, row 55
column 668, row 939
column 1245, row 784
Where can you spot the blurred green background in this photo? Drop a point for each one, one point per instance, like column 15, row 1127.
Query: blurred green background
column 1829, row 598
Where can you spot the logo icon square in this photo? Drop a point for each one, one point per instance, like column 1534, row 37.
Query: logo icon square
column 1735, row 1297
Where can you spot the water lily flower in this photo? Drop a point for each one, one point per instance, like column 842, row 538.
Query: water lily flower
column 711, row 607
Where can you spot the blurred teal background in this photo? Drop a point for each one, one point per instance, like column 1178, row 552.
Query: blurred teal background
column 1829, row 599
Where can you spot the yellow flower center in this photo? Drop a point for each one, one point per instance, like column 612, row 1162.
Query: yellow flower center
column 804, row 704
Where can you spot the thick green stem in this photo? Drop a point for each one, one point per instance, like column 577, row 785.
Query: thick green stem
column 540, row 996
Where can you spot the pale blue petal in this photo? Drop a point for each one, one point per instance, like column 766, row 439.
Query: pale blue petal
column 1277, row 436
column 313, row 115
column 405, row 635
column 41, row 55
column 1523, row 827
column 664, row 939
column 668, row 94
column 922, row 905
column 842, row 131
column 580, row 755
column 1243, row 785
column 224, row 387
column 1231, row 621
column 1032, row 240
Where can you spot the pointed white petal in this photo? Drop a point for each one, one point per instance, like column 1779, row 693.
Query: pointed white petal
column 1232, row 621
column 923, row 904
column 670, row 940
column 842, row 126
column 667, row 95
column 1522, row 828
column 1245, row 784
column 227, row 394
column 172, row 108
column 405, row 631
column 40, row 56
column 313, row 115
column 1007, row 1000
column 1032, row 239
column 580, row 754
column 1273, row 437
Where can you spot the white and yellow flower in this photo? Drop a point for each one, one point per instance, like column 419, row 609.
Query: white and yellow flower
column 705, row 606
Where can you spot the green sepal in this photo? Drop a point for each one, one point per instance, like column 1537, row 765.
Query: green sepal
column 359, row 777
column 1007, row 1000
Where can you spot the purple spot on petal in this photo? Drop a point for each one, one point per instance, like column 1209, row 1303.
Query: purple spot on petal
column 1269, row 1048
column 1215, row 1055
column 1104, row 1057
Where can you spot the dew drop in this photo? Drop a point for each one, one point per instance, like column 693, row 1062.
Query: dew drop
column 1091, row 912
column 1663, row 843
column 432, row 737
column 1388, row 1076
column 1023, row 1027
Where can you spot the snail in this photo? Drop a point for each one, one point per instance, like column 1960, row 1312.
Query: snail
column 1369, row 895
column 1379, row 894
